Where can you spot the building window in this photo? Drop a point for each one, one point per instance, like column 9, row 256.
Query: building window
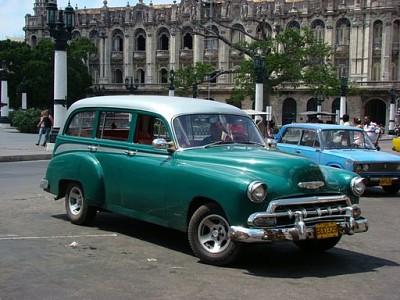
column 376, row 72
column 118, row 76
column 163, row 76
column 318, row 28
column 140, row 40
column 163, row 39
column 294, row 25
column 238, row 36
column 377, row 40
column 343, row 32
column 289, row 111
column 118, row 41
column 212, row 42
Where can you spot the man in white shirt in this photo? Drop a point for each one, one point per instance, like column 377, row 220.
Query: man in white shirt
column 372, row 129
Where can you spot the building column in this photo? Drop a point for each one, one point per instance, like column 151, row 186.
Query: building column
column 386, row 61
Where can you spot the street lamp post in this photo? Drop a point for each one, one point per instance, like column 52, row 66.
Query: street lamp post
column 5, row 102
column 23, row 94
column 171, row 87
column 259, row 69
column 60, row 29
column 393, row 94
column 343, row 94
column 131, row 85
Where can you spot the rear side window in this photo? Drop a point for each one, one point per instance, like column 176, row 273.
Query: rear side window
column 114, row 125
column 291, row 136
column 81, row 124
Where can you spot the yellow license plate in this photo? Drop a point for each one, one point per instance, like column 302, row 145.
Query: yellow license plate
column 385, row 181
column 326, row 230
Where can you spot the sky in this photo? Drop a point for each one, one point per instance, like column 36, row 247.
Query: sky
column 12, row 12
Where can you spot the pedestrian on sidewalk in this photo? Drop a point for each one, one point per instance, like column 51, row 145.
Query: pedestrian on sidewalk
column 44, row 125
column 372, row 129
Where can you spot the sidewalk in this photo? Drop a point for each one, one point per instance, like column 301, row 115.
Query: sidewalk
column 16, row 146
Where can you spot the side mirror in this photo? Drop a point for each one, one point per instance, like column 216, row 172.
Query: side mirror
column 162, row 144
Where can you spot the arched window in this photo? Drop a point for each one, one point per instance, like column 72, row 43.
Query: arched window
column 118, row 40
column 163, row 39
column 343, row 32
column 289, row 111
column 265, row 28
column 238, row 36
column 294, row 25
column 211, row 42
column 318, row 27
column 141, row 75
column 187, row 38
column 163, row 76
column 377, row 39
column 312, row 104
column 118, row 76
column 140, row 40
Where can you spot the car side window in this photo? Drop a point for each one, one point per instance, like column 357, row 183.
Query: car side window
column 114, row 125
column 81, row 124
column 309, row 138
column 291, row 136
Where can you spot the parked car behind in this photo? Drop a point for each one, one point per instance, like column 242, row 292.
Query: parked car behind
column 201, row 167
column 396, row 144
column 342, row 147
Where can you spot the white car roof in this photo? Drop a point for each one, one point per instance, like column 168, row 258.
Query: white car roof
column 166, row 106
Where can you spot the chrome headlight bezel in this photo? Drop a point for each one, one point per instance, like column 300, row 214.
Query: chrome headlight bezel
column 257, row 191
column 357, row 185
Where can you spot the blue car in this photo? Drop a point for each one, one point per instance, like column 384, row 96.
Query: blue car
column 343, row 147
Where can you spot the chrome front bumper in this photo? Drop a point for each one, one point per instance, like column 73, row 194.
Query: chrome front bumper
column 297, row 232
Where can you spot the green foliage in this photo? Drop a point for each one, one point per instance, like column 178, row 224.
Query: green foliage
column 190, row 75
column 36, row 65
column 26, row 120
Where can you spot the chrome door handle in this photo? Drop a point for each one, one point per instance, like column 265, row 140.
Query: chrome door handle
column 92, row 148
column 130, row 152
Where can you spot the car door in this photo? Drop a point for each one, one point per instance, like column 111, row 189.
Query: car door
column 145, row 174
column 309, row 145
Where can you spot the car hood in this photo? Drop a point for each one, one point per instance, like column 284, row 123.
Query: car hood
column 364, row 155
column 281, row 171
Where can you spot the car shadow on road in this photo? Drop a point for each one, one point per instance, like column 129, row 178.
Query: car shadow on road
column 287, row 261
column 280, row 260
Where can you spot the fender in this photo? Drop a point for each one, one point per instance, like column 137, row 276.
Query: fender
column 82, row 167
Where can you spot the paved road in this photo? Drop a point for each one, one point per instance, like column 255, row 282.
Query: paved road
column 43, row 256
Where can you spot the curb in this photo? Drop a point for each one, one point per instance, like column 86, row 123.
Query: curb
column 25, row 157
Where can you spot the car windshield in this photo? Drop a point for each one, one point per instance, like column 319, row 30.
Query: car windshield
column 215, row 129
column 346, row 139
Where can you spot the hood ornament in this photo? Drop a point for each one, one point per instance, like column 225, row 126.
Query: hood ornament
column 311, row 185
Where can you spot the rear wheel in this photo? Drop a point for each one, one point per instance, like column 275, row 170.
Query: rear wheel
column 391, row 189
column 78, row 210
column 318, row 246
column 208, row 236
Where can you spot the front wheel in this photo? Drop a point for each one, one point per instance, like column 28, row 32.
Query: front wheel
column 208, row 236
column 318, row 246
column 78, row 210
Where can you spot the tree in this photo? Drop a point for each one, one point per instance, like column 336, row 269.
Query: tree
column 189, row 77
column 290, row 57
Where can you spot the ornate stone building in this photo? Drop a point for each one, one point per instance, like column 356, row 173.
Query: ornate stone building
column 145, row 41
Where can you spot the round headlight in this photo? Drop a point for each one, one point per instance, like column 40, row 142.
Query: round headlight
column 366, row 168
column 357, row 186
column 357, row 168
column 257, row 191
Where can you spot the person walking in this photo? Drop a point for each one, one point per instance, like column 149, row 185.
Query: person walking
column 45, row 124
column 372, row 129
column 40, row 125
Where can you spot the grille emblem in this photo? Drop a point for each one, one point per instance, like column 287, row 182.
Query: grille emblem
column 311, row 185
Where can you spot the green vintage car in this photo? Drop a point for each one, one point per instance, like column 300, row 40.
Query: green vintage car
column 201, row 167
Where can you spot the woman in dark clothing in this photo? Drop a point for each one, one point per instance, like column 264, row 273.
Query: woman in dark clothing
column 45, row 124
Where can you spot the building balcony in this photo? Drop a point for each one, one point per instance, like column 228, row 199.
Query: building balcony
column 162, row 54
column 211, row 53
column 139, row 55
column 117, row 56
column 186, row 53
